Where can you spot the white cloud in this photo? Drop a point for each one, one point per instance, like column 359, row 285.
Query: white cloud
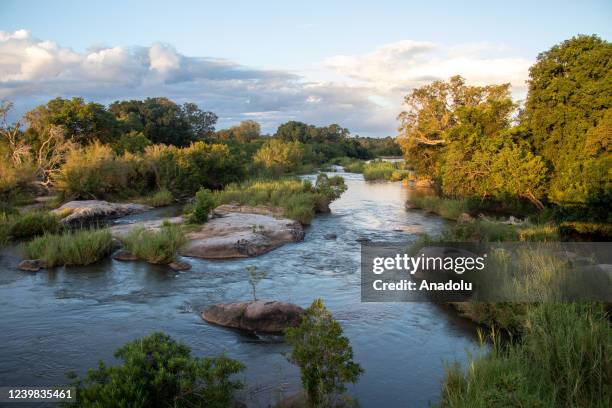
column 365, row 95
column 406, row 64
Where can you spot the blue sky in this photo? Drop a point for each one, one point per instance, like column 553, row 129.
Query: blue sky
column 345, row 62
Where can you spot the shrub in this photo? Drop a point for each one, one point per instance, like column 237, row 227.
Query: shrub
column 14, row 180
column 203, row 205
column 378, row 170
column 34, row 223
column 132, row 142
column 160, row 198
column 157, row 371
column 82, row 247
column 445, row 207
column 157, row 247
column 353, row 166
column 185, row 171
column 95, row 172
column 324, row 374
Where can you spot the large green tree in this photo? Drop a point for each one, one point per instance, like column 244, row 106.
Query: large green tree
column 569, row 119
column 163, row 121
column 81, row 122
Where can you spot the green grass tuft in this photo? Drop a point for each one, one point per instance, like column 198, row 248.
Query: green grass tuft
column 157, row 247
column 81, row 247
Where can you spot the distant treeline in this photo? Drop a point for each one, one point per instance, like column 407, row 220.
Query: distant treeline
column 86, row 149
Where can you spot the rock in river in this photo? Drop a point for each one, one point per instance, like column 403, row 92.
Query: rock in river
column 266, row 316
column 241, row 235
column 30, row 265
column 86, row 211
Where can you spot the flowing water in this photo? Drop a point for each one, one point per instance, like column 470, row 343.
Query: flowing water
column 69, row 318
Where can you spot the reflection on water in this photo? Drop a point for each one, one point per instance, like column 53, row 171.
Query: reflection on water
column 67, row 319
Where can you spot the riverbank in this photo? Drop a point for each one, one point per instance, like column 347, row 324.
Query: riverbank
column 557, row 353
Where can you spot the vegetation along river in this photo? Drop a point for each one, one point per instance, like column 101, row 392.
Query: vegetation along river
column 68, row 318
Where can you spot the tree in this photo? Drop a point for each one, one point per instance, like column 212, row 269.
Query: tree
column 294, row 131
column 159, row 119
column 568, row 115
column 279, row 157
column 157, row 371
column 255, row 277
column 81, row 122
column 202, row 122
column 246, row 131
column 324, row 355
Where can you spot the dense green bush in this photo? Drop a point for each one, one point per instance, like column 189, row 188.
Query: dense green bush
column 96, row 172
column 30, row 224
column 81, row 247
column 184, row 171
column 157, row 371
column 203, row 205
column 157, row 247
column 324, row 374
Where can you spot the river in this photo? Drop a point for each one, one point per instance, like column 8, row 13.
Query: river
column 69, row 318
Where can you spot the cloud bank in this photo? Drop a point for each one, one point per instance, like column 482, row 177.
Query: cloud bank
column 366, row 98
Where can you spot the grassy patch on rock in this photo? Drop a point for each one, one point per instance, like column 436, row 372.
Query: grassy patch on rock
column 155, row 246
column 81, row 247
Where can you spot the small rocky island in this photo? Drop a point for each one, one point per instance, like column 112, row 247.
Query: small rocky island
column 265, row 316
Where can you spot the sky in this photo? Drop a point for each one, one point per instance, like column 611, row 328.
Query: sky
column 321, row 62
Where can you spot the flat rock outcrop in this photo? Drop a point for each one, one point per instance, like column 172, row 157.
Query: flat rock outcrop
column 241, row 235
column 86, row 211
column 265, row 316
column 229, row 235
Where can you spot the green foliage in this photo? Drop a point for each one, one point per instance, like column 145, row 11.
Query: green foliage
column 563, row 359
column 31, row 224
column 352, row 165
column 299, row 200
column 184, row 171
column 80, row 122
column 445, row 207
column 331, row 187
column 157, row 371
column 246, row 131
column 163, row 121
column 203, row 205
column 382, row 170
column 131, row 142
column 81, row 247
column 324, row 355
column 568, row 114
column 96, row 172
column 279, row 157
column 160, row 198
column 155, row 246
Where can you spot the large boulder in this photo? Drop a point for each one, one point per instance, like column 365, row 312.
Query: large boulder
column 265, row 316
column 241, row 235
column 87, row 211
